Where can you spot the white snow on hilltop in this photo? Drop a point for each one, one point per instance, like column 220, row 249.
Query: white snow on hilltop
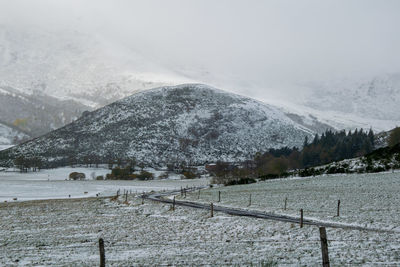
column 191, row 122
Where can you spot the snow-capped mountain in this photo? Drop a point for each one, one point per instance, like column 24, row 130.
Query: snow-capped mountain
column 376, row 98
column 72, row 65
column 93, row 71
column 192, row 122
column 353, row 102
column 48, row 78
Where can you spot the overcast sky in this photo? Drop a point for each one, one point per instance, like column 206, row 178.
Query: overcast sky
column 251, row 42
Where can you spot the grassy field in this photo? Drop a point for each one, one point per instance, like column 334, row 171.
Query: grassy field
column 66, row 232
column 371, row 200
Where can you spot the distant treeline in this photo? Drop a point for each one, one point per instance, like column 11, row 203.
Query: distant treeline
column 334, row 146
column 329, row 147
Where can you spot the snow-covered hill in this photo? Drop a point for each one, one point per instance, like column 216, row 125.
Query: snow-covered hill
column 192, row 123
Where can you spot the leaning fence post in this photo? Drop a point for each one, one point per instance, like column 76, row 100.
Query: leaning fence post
column 338, row 207
column 102, row 254
column 301, row 218
column 324, row 247
column 212, row 209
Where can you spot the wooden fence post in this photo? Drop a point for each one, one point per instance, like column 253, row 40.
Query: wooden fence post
column 250, row 200
column 126, row 197
column 184, row 190
column 338, row 207
column 219, row 196
column 324, row 247
column 285, row 202
column 212, row 210
column 102, row 254
column 301, row 218
column 173, row 204
column 198, row 197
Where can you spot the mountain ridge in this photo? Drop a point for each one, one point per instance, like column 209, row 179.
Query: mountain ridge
column 192, row 122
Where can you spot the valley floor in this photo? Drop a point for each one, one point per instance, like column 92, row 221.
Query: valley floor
column 54, row 184
column 66, row 233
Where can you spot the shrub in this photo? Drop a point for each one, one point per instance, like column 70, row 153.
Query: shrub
column 77, row 176
column 241, row 181
column 189, row 175
column 274, row 176
column 118, row 172
column 164, row 175
column 145, row 175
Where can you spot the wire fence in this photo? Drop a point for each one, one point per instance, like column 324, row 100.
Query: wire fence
column 114, row 246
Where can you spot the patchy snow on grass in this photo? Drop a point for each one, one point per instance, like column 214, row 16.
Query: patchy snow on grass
column 66, row 233
column 368, row 200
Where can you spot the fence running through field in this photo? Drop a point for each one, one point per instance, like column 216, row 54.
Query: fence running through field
column 183, row 191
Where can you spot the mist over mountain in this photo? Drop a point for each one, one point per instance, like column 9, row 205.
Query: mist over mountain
column 49, row 78
column 72, row 65
column 90, row 71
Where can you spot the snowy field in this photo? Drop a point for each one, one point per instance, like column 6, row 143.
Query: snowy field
column 66, row 232
column 368, row 200
column 52, row 184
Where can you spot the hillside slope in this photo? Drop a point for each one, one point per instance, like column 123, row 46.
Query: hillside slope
column 366, row 101
column 192, row 122
column 380, row 160
column 10, row 135
column 36, row 114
